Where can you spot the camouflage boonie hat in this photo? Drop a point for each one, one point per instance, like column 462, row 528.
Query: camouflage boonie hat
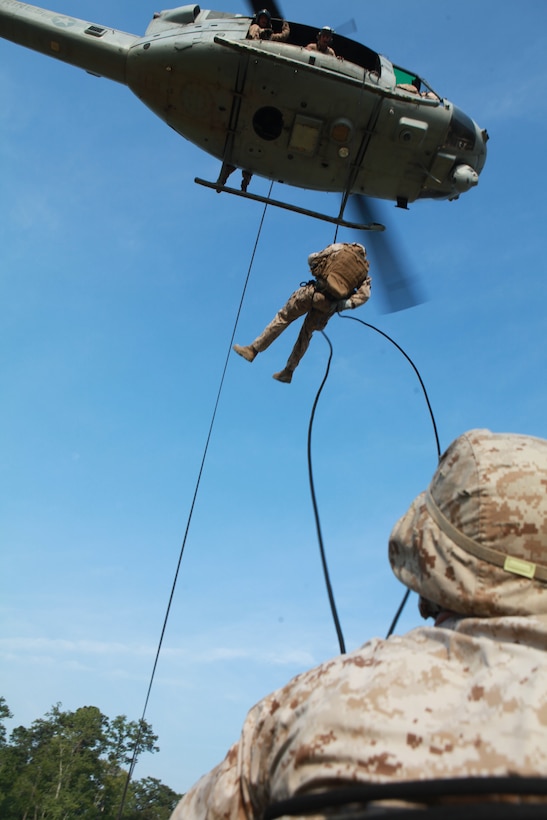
column 476, row 541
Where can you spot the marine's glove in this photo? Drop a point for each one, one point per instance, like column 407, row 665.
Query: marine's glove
column 343, row 304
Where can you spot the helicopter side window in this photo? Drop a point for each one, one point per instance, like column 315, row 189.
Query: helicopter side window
column 268, row 123
column 412, row 84
column 406, row 81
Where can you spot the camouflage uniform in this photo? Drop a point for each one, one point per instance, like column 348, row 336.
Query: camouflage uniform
column 318, row 307
column 468, row 697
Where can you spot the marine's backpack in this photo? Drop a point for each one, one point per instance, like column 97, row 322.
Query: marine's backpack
column 340, row 270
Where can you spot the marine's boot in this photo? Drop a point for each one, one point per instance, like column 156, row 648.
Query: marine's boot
column 245, row 179
column 247, row 351
column 225, row 172
column 284, row 375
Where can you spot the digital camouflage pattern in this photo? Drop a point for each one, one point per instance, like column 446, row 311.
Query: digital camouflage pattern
column 492, row 488
column 317, row 307
column 465, row 698
column 341, row 268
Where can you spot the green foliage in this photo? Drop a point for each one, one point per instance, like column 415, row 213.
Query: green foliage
column 151, row 800
column 71, row 765
column 5, row 714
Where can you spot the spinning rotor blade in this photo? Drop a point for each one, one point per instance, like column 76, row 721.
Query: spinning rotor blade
column 390, row 270
column 349, row 27
column 272, row 7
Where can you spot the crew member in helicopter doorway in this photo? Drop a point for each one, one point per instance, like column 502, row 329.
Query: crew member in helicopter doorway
column 465, row 698
column 341, row 283
column 261, row 28
column 323, row 42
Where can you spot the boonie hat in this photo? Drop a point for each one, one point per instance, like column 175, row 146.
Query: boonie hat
column 475, row 542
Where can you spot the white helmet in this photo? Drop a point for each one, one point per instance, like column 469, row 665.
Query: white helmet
column 329, row 33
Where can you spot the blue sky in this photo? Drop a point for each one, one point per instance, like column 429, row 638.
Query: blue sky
column 120, row 284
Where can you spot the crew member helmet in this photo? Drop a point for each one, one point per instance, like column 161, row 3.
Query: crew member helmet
column 475, row 542
column 264, row 13
column 328, row 32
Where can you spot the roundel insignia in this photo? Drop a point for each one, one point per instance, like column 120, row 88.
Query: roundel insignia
column 63, row 22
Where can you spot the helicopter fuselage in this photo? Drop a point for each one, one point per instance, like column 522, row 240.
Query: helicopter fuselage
column 355, row 125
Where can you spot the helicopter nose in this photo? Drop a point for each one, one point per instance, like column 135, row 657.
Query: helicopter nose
column 470, row 143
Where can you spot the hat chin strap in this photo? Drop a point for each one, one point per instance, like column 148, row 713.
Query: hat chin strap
column 517, row 566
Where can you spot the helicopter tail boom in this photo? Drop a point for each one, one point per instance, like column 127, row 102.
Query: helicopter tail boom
column 99, row 50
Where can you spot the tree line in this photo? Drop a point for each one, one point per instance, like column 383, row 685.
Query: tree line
column 70, row 765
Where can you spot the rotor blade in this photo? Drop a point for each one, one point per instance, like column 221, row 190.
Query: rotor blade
column 399, row 286
column 349, row 27
column 272, row 7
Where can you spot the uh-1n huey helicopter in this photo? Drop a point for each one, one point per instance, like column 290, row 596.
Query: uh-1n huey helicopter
column 353, row 123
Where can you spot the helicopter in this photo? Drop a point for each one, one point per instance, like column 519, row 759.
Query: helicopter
column 353, row 123
column 359, row 125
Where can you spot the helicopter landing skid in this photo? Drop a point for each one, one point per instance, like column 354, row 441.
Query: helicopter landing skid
column 336, row 220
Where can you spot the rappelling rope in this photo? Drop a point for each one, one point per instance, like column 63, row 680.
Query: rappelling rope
column 316, row 511
column 198, row 481
column 409, row 360
column 322, row 553
column 312, row 487
column 434, row 423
